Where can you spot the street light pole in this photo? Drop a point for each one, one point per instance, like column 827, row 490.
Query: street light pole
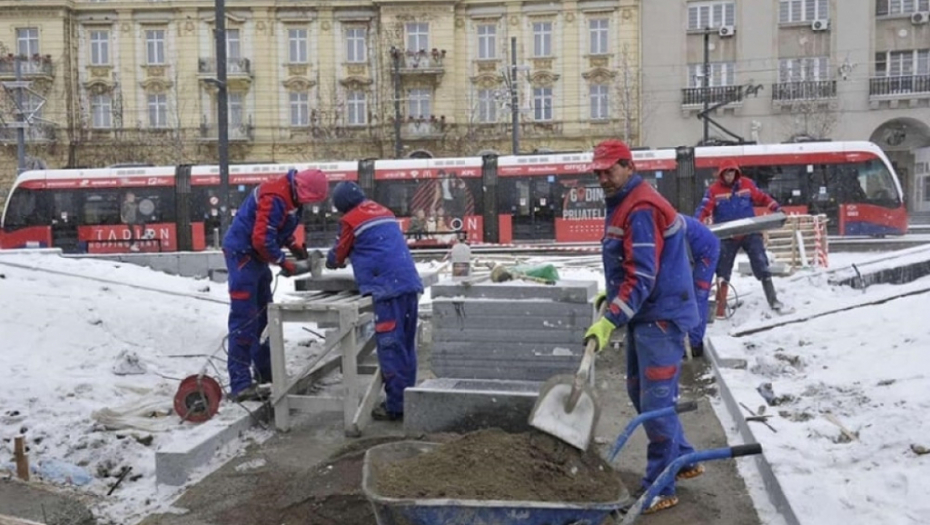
column 395, row 57
column 705, row 84
column 514, row 98
column 222, row 115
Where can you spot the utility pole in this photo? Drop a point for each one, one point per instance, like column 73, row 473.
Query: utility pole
column 398, row 147
column 21, row 122
column 705, row 84
column 222, row 115
column 514, row 98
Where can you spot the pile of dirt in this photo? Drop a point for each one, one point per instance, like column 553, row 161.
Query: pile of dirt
column 494, row 465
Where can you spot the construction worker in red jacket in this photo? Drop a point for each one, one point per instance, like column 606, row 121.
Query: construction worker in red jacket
column 733, row 197
column 263, row 225
column 649, row 290
column 370, row 236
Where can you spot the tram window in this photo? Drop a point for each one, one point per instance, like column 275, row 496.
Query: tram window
column 65, row 206
column 878, row 184
column 101, row 207
column 25, row 209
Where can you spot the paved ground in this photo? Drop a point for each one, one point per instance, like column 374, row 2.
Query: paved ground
column 292, row 488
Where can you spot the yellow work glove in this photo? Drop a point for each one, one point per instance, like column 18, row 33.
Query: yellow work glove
column 600, row 331
column 599, row 300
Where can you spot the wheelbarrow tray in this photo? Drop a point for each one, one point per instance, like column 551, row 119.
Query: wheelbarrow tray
column 435, row 511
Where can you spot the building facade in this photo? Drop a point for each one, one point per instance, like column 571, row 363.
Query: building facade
column 117, row 81
column 783, row 70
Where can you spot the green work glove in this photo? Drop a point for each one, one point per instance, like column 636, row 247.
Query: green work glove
column 600, row 331
column 599, row 300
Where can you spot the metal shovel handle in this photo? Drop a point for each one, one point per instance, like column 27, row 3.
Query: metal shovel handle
column 581, row 377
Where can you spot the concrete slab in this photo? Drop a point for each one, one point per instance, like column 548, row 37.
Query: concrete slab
column 343, row 281
column 505, row 312
column 464, row 405
column 564, row 291
column 174, row 462
column 777, row 268
column 506, row 335
column 515, row 361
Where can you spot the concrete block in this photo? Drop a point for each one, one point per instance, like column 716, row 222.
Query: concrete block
column 345, row 282
column 505, row 335
column 464, row 405
column 175, row 461
column 563, row 291
column 445, row 308
column 777, row 268
column 516, row 361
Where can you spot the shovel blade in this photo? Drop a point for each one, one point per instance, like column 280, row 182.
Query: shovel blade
column 575, row 427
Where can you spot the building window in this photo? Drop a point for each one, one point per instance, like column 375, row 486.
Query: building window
column 300, row 109
column 154, row 47
column 236, row 110
column 598, row 28
column 721, row 74
column 418, row 103
column 233, row 45
column 297, row 46
column 803, row 69
column 487, row 105
column 101, row 109
column 542, row 104
column 99, row 48
column 158, row 110
column 599, row 98
column 900, row 7
column 902, row 63
column 487, row 41
column 356, row 45
column 417, row 36
column 790, row 11
column 356, row 108
column 27, row 41
column 702, row 15
column 542, row 39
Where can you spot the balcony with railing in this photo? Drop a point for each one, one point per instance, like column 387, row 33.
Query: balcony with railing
column 694, row 97
column 421, row 62
column 900, row 87
column 788, row 93
column 234, row 67
column 423, row 128
column 30, row 67
column 242, row 132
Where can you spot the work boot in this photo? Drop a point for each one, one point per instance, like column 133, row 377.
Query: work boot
column 381, row 413
column 690, row 472
column 721, row 299
column 769, row 287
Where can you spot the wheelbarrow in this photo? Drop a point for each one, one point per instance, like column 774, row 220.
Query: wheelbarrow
column 435, row 511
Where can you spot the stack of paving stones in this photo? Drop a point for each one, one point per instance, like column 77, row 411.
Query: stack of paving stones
column 494, row 344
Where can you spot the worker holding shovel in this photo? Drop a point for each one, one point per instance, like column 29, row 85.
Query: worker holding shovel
column 649, row 290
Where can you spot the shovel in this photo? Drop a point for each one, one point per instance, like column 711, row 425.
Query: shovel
column 566, row 407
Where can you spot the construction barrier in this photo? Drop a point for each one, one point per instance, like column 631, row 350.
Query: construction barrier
column 800, row 243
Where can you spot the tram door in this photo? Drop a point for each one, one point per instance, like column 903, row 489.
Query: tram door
column 534, row 203
column 65, row 216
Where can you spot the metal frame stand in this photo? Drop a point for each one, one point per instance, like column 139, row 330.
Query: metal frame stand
column 347, row 313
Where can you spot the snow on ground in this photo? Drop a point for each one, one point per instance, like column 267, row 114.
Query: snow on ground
column 64, row 332
column 865, row 370
column 67, row 323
